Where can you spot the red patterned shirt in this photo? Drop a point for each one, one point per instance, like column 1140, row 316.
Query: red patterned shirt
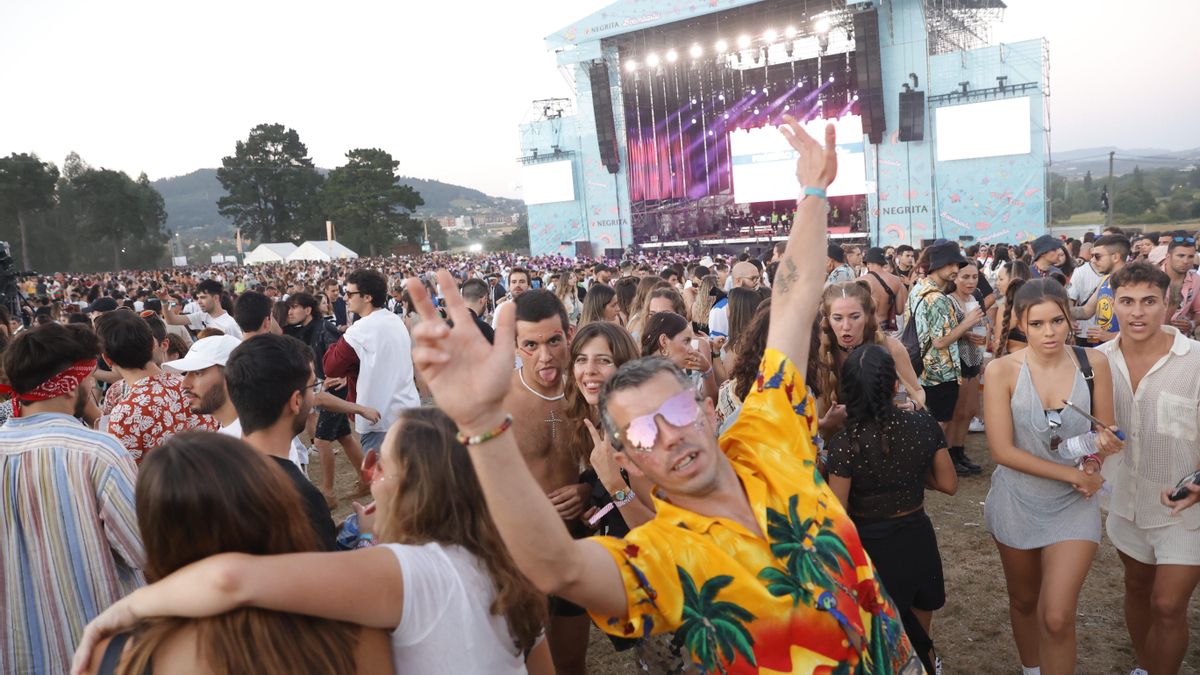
column 154, row 410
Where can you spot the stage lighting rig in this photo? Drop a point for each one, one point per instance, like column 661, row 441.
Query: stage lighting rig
column 721, row 46
column 822, row 25
column 743, row 42
column 696, row 51
column 672, row 56
column 789, row 32
column 770, row 35
column 631, row 66
column 652, row 60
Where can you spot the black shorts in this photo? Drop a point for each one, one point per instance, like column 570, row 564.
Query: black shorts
column 940, row 400
column 330, row 425
column 904, row 551
column 560, row 606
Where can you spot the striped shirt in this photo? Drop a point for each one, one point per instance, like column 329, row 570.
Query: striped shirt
column 69, row 544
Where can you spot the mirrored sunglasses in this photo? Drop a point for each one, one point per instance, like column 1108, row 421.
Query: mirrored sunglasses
column 680, row 410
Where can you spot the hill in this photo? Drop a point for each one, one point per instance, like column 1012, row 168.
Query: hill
column 1076, row 163
column 191, row 203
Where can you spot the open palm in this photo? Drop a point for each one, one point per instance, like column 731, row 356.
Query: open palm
column 468, row 376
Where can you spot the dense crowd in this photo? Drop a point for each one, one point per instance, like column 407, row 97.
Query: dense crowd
column 721, row 463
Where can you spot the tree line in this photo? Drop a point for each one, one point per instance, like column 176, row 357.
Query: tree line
column 83, row 218
column 1160, row 195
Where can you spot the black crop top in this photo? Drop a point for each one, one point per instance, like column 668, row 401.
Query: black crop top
column 883, row 486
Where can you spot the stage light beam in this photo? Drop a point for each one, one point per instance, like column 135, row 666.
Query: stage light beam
column 743, row 42
column 652, row 60
column 672, row 56
column 696, row 51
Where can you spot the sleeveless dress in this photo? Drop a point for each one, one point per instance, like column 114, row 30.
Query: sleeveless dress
column 1028, row 512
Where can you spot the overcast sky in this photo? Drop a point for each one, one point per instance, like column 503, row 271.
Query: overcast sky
column 166, row 87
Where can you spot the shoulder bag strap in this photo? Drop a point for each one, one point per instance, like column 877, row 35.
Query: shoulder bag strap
column 888, row 289
column 112, row 654
column 1085, row 367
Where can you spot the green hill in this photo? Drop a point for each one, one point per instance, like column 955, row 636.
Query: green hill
column 191, row 203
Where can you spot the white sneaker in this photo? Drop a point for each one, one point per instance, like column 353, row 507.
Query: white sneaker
column 937, row 665
column 1138, row 671
column 976, row 425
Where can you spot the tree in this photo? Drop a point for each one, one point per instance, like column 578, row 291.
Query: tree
column 128, row 215
column 371, row 209
column 439, row 239
column 1087, row 182
column 26, row 187
column 271, row 185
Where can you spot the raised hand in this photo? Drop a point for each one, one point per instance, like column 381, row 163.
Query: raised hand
column 468, row 377
column 817, row 166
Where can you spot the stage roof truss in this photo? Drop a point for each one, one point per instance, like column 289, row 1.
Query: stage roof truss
column 961, row 25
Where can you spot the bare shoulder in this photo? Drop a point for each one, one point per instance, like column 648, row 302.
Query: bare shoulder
column 374, row 652
column 1006, row 367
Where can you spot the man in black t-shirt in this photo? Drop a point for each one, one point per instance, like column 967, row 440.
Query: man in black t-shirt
column 333, row 293
column 272, row 384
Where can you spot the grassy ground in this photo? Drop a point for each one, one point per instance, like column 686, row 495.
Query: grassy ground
column 972, row 631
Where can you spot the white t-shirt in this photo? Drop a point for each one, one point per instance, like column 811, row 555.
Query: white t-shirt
column 385, row 368
column 447, row 625
column 225, row 322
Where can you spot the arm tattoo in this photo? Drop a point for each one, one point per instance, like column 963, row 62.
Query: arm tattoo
column 789, row 276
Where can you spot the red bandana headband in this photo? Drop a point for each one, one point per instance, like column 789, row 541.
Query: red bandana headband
column 58, row 385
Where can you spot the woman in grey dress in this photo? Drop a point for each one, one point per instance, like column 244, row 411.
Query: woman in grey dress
column 1040, row 509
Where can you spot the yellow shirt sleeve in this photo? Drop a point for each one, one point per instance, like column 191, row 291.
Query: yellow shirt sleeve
column 778, row 415
column 651, row 579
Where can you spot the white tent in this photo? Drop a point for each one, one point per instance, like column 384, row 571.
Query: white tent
column 321, row 251
column 270, row 253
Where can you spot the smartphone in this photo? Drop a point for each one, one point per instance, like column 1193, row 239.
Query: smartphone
column 1181, row 490
column 537, row 283
column 696, row 344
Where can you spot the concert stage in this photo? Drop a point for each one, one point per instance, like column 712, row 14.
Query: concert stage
column 671, row 138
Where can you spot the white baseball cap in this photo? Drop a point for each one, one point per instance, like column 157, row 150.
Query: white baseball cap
column 210, row 351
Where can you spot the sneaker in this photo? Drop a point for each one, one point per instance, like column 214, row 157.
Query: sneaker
column 937, row 665
column 1138, row 671
column 966, row 461
column 962, row 469
column 976, row 426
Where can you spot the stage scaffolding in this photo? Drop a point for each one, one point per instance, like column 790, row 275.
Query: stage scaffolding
column 960, row 25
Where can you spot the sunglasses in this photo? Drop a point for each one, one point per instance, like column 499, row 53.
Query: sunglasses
column 680, row 410
column 1191, row 241
column 1054, row 419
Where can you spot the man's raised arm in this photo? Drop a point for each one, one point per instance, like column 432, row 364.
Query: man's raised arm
column 801, row 273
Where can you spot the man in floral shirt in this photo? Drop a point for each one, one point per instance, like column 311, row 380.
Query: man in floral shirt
column 155, row 408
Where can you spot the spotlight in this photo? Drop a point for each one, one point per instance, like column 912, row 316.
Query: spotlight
column 693, row 120
column 696, row 51
column 631, row 66
column 789, row 32
column 726, row 115
column 743, row 42
column 710, row 133
column 765, row 92
column 855, row 97
column 822, row 25
column 831, row 78
column 652, row 60
column 770, row 35
column 756, row 111
column 693, row 101
column 672, row 55
column 754, row 91
column 721, row 46
column 721, row 97
column 787, row 108
column 823, row 42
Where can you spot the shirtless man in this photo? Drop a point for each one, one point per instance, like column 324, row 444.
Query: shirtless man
column 887, row 289
column 536, row 400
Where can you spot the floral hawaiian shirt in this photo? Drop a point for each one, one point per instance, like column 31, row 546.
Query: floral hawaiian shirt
column 154, row 410
column 935, row 317
column 804, row 599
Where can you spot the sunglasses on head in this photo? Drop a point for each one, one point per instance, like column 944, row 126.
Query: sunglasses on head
column 1191, row 241
column 680, row 410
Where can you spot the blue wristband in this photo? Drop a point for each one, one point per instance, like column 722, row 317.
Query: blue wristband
column 815, row 192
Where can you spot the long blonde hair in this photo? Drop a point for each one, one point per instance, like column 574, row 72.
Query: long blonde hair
column 705, row 300
column 828, row 371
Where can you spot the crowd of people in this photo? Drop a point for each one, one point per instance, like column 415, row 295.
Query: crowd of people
column 720, row 463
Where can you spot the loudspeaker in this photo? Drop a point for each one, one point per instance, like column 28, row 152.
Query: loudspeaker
column 869, row 70
column 606, row 130
column 583, row 249
column 912, row 116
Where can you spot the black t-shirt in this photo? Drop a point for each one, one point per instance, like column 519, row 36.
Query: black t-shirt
column 339, row 312
column 315, row 507
column 885, row 485
column 984, row 289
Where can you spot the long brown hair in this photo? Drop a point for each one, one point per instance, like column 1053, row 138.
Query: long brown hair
column 597, row 298
column 624, row 349
column 637, row 308
column 438, row 499
column 743, row 303
column 1018, row 273
column 705, row 299
column 749, row 350
column 200, row 494
column 828, row 372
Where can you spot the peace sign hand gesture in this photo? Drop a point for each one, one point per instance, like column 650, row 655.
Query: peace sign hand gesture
column 817, row 165
column 468, row 377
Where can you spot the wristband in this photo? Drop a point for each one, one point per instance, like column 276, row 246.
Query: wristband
column 487, row 435
column 810, row 191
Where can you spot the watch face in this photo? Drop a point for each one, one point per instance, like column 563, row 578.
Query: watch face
column 619, row 496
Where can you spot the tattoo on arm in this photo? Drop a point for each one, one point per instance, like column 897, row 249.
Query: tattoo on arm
column 789, row 276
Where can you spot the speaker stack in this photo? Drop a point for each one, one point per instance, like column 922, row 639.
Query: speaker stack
column 870, row 73
column 606, row 129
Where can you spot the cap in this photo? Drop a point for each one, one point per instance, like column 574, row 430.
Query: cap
column 875, row 256
column 105, row 304
column 209, row 351
column 706, row 261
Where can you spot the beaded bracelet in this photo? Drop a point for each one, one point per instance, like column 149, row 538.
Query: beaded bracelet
column 486, row 436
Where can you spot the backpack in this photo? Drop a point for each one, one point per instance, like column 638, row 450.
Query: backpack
column 910, row 340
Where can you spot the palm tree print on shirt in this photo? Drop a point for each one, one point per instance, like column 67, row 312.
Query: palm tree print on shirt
column 713, row 630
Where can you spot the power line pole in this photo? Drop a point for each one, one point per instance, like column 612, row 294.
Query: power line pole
column 1112, row 192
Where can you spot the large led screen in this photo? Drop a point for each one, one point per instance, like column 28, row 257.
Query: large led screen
column 987, row 129
column 764, row 164
column 548, row 182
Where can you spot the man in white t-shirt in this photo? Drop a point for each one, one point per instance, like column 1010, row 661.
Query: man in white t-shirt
column 375, row 355
column 211, row 314
column 745, row 275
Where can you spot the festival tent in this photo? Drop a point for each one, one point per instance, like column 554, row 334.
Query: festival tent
column 270, row 253
column 321, row 251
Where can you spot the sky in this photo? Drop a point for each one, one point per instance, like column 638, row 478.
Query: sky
column 169, row 87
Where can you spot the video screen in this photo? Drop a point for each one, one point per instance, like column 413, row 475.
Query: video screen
column 764, row 164
column 988, row 129
column 548, row 182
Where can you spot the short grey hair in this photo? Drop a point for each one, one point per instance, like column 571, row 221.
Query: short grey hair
column 634, row 374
